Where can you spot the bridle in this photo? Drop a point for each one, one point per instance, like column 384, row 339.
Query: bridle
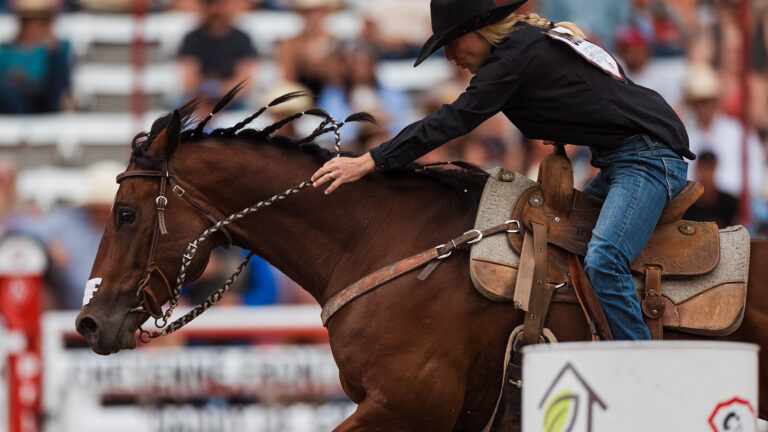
column 148, row 301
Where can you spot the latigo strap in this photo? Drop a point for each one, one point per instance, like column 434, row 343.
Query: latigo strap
column 433, row 257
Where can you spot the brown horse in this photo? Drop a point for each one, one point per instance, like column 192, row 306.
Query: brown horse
column 414, row 355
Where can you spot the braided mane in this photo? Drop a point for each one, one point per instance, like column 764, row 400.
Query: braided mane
column 464, row 178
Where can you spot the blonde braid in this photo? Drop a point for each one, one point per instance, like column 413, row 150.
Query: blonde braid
column 496, row 32
column 534, row 20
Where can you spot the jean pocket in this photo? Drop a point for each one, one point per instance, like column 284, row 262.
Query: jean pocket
column 676, row 171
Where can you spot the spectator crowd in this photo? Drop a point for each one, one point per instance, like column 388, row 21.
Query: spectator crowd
column 690, row 51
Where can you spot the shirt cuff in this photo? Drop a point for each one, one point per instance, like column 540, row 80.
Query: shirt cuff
column 381, row 163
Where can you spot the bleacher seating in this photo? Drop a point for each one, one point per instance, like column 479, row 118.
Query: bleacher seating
column 104, row 78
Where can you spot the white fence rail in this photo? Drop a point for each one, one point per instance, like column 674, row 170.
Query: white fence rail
column 239, row 369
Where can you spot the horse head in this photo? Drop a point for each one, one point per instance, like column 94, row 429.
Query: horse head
column 168, row 200
column 140, row 254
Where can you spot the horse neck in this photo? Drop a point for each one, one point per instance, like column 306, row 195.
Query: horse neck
column 309, row 236
column 305, row 235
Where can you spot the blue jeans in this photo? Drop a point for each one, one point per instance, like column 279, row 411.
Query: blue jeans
column 636, row 180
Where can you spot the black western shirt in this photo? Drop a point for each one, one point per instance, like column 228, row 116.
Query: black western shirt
column 550, row 92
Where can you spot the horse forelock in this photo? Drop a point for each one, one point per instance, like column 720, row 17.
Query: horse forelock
column 143, row 141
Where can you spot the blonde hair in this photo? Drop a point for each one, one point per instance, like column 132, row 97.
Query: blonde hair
column 496, row 32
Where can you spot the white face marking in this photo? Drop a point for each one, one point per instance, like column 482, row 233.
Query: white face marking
column 90, row 289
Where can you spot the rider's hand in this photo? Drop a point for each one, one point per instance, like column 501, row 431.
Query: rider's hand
column 342, row 170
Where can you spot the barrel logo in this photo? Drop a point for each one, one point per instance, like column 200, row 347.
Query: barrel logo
column 569, row 403
column 733, row 415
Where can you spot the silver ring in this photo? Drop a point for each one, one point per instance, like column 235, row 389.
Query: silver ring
column 330, row 174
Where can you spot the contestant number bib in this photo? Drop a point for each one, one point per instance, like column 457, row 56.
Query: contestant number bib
column 591, row 52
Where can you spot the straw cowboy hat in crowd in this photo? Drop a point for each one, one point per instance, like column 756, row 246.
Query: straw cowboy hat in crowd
column 702, row 83
column 316, row 4
column 292, row 106
column 101, row 186
column 35, row 8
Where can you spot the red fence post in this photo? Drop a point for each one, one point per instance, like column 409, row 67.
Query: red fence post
column 22, row 264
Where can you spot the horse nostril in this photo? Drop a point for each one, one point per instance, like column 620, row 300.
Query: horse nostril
column 87, row 327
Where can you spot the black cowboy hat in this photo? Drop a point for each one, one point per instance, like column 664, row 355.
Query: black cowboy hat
column 454, row 18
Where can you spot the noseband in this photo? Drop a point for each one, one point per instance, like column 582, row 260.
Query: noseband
column 149, row 303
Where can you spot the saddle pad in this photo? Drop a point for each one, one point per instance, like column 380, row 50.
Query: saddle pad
column 733, row 266
column 713, row 303
column 500, row 196
column 493, row 262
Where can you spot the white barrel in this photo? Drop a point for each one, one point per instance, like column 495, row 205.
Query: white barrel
column 640, row 387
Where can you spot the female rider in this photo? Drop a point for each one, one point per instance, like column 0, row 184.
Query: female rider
column 555, row 86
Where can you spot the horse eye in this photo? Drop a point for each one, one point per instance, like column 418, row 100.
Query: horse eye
column 125, row 217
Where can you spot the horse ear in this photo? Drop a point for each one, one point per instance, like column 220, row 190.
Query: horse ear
column 168, row 140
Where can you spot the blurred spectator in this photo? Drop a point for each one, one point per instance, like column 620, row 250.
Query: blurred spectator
column 666, row 77
column 114, row 5
column 279, row 5
column 16, row 216
column 198, row 6
column 7, row 189
column 711, row 130
column 357, row 88
column 216, row 56
column 186, row 6
column 663, row 22
column 514, row 156
column 440, row 95
column 34, row 67
column 397, row 28
column 261, row 288
column 759, row 81
column 303, row 58
column 598, row 18
column 369, row 135
column 714, row 205
column 727, row 56
column 72, row 235
column 482, row 152
column 535, row 151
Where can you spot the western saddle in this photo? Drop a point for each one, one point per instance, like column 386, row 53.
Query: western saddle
column 542, row 264
column 558, row 222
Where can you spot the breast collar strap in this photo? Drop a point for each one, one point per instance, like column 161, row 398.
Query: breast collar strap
column 167, row 178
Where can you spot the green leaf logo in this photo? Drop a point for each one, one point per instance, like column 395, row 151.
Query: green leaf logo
column 560, row 413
